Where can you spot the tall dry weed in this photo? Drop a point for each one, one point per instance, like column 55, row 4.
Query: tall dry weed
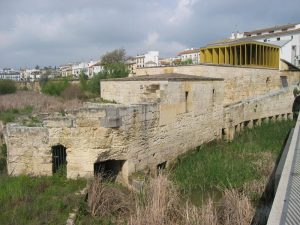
column 106, row 201
column 235, row 209
column 41, row 103
column 159, row 204
column 205, row 215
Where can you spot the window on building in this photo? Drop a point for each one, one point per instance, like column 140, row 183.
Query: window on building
column 284, row 81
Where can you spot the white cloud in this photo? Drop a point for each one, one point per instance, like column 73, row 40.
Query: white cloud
column 152, row 39
column 182, row 12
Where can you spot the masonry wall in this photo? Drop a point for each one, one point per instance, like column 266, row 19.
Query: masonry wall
column 276, row 105
column 240, row 83
column 132, row 92
column 28, row 151
column 143, row 135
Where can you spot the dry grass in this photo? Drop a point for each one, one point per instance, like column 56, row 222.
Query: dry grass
column 41, row 103
column 158, row 204
column 201, row 216
column 235, row 209
column 105, row 200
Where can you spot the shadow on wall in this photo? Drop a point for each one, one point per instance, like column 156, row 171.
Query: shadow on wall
column 109, row 169
column 296, row 107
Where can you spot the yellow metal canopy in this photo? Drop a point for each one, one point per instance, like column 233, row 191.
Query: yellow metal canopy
column 237, row 53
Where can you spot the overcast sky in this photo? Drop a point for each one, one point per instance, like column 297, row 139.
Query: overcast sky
column 53, row 32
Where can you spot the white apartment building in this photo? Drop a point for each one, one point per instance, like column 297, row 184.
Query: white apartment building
column 89, row 68
column 285, row 36
column 94, row 68
column 66, row 70
column 10, row 74
column 192, row 54
column 30, row 74
column 150, row 59
column 78, row 68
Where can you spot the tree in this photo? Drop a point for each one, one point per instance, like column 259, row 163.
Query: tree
column 114, row 64
column 83, row 81
column 115, row 56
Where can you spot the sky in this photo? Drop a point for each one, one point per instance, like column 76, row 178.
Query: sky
column 54, row 32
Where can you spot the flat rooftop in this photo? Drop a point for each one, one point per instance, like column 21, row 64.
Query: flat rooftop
column 166, row 77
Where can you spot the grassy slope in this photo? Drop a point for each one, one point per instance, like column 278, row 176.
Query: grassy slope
column 42, row 200
column 222, row 164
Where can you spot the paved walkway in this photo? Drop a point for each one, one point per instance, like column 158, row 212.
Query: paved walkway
column 286, row 205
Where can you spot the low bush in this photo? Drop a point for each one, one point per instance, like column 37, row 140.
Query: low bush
column 7, row 87
column 72, row 91
column 55, row 88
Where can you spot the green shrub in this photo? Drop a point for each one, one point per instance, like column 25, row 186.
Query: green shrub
column 7, row 87
column 93, row 84
column 10, row 115
column 55, row 87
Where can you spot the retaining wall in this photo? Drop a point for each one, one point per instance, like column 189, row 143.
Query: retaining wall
column 240, row 83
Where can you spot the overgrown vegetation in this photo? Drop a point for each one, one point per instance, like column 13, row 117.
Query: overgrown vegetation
column 230, row 165
column 107, row 203
column 10, row 115
column 40, row 103
column 55, row 88
column 39, row 200
column 36, row 200
column 113, row 64
column 7, row 87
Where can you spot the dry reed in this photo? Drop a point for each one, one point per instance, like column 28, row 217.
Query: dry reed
column 159, row 204
column 106, row 201
column 235, row 209
column 41, row 103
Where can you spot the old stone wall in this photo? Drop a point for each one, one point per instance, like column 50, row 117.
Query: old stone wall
column 28, row 151
column 272, row 106
column 153, row 123
column 143, row 135
column 240, row 83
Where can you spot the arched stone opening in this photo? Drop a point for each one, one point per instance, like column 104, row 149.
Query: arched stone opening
column 59, row 158
column 109, row 169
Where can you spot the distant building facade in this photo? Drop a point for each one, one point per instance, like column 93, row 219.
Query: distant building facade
column 287, row 37
column 94, row 68
column 190, row 54
column 66, row 70
column 10, row 74
column 131, row 64
column 150, row 59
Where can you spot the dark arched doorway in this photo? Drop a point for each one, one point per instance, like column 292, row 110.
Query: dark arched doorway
column 109, row 169
column 59, row 158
